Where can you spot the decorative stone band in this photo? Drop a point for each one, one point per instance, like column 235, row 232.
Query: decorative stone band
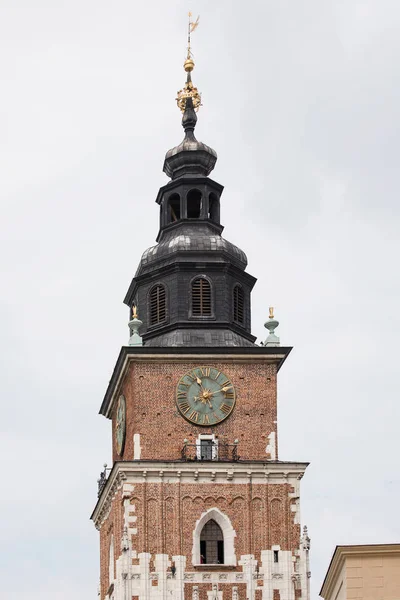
column 127, row 473
column 288, row 577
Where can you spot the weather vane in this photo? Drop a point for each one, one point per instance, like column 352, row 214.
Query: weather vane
column 191, row 27
column 189, row 91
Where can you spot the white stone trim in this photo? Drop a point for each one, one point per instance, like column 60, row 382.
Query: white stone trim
column 215, row 593
column 137, row 449
column 228, row 532
column 138, row 579
column 271, row 447
column 218, row 472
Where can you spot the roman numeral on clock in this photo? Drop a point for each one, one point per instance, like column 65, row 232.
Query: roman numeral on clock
column 206, row 420
column 194, row 416
column 206, row 371
column 225, row 408
column 184, row 407
column 229, row 395
column 181, row 395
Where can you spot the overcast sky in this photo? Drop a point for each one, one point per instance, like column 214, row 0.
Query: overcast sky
column 301, row 102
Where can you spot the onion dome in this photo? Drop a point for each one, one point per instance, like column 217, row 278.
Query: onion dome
column 196, row 240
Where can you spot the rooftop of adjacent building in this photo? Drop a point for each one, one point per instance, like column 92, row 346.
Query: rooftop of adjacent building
column 369, row 567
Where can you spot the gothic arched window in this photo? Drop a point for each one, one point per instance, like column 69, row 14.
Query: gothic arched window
column 157, row 304
column 213, row 208
column 194, row 204
column 201, row 297
column 204, row 535
column 238, row 304
column 212, row 544
column 174, row 208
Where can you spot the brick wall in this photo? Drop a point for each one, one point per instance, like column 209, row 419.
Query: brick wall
column 150, row 388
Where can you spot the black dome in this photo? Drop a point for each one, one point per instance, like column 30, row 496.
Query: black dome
column 191, row 157
column 188, row 240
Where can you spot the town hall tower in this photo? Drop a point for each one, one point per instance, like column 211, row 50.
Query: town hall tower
column 197, row 504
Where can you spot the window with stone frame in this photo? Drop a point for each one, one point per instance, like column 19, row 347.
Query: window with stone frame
column 206, row 447
column 211, row 544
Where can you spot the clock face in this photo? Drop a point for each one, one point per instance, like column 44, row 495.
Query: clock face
column 120, row 424
column 205, row 396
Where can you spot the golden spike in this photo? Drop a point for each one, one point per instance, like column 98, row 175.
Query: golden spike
column 134, row 312
column 271, row 312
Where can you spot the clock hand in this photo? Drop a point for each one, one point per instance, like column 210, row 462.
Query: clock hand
column 223, row 389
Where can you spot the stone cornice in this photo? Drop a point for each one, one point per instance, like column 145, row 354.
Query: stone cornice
column 129, row 354
column 131, row 472
column 343, row 552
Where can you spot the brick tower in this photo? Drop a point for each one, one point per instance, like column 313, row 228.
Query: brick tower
column 197, row 505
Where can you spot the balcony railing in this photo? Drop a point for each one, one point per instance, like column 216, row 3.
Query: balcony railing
column 211, row 450
column 220, row 451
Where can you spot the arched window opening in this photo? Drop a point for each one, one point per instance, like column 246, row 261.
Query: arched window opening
column 201, row 298
column 213, row 208
column 158, row 309
column 212, row 544
column 238, row 304
column 174, row 208
column 194, row 204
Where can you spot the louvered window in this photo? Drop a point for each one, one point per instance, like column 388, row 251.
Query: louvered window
column 158, row 308
column 201, row 298
column 238, row 304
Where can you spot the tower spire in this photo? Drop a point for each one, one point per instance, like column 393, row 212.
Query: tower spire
column 192, row 285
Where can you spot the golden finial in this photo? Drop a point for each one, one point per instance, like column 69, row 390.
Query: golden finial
column 271, row 312
column 134, row 312
column 189, row 91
